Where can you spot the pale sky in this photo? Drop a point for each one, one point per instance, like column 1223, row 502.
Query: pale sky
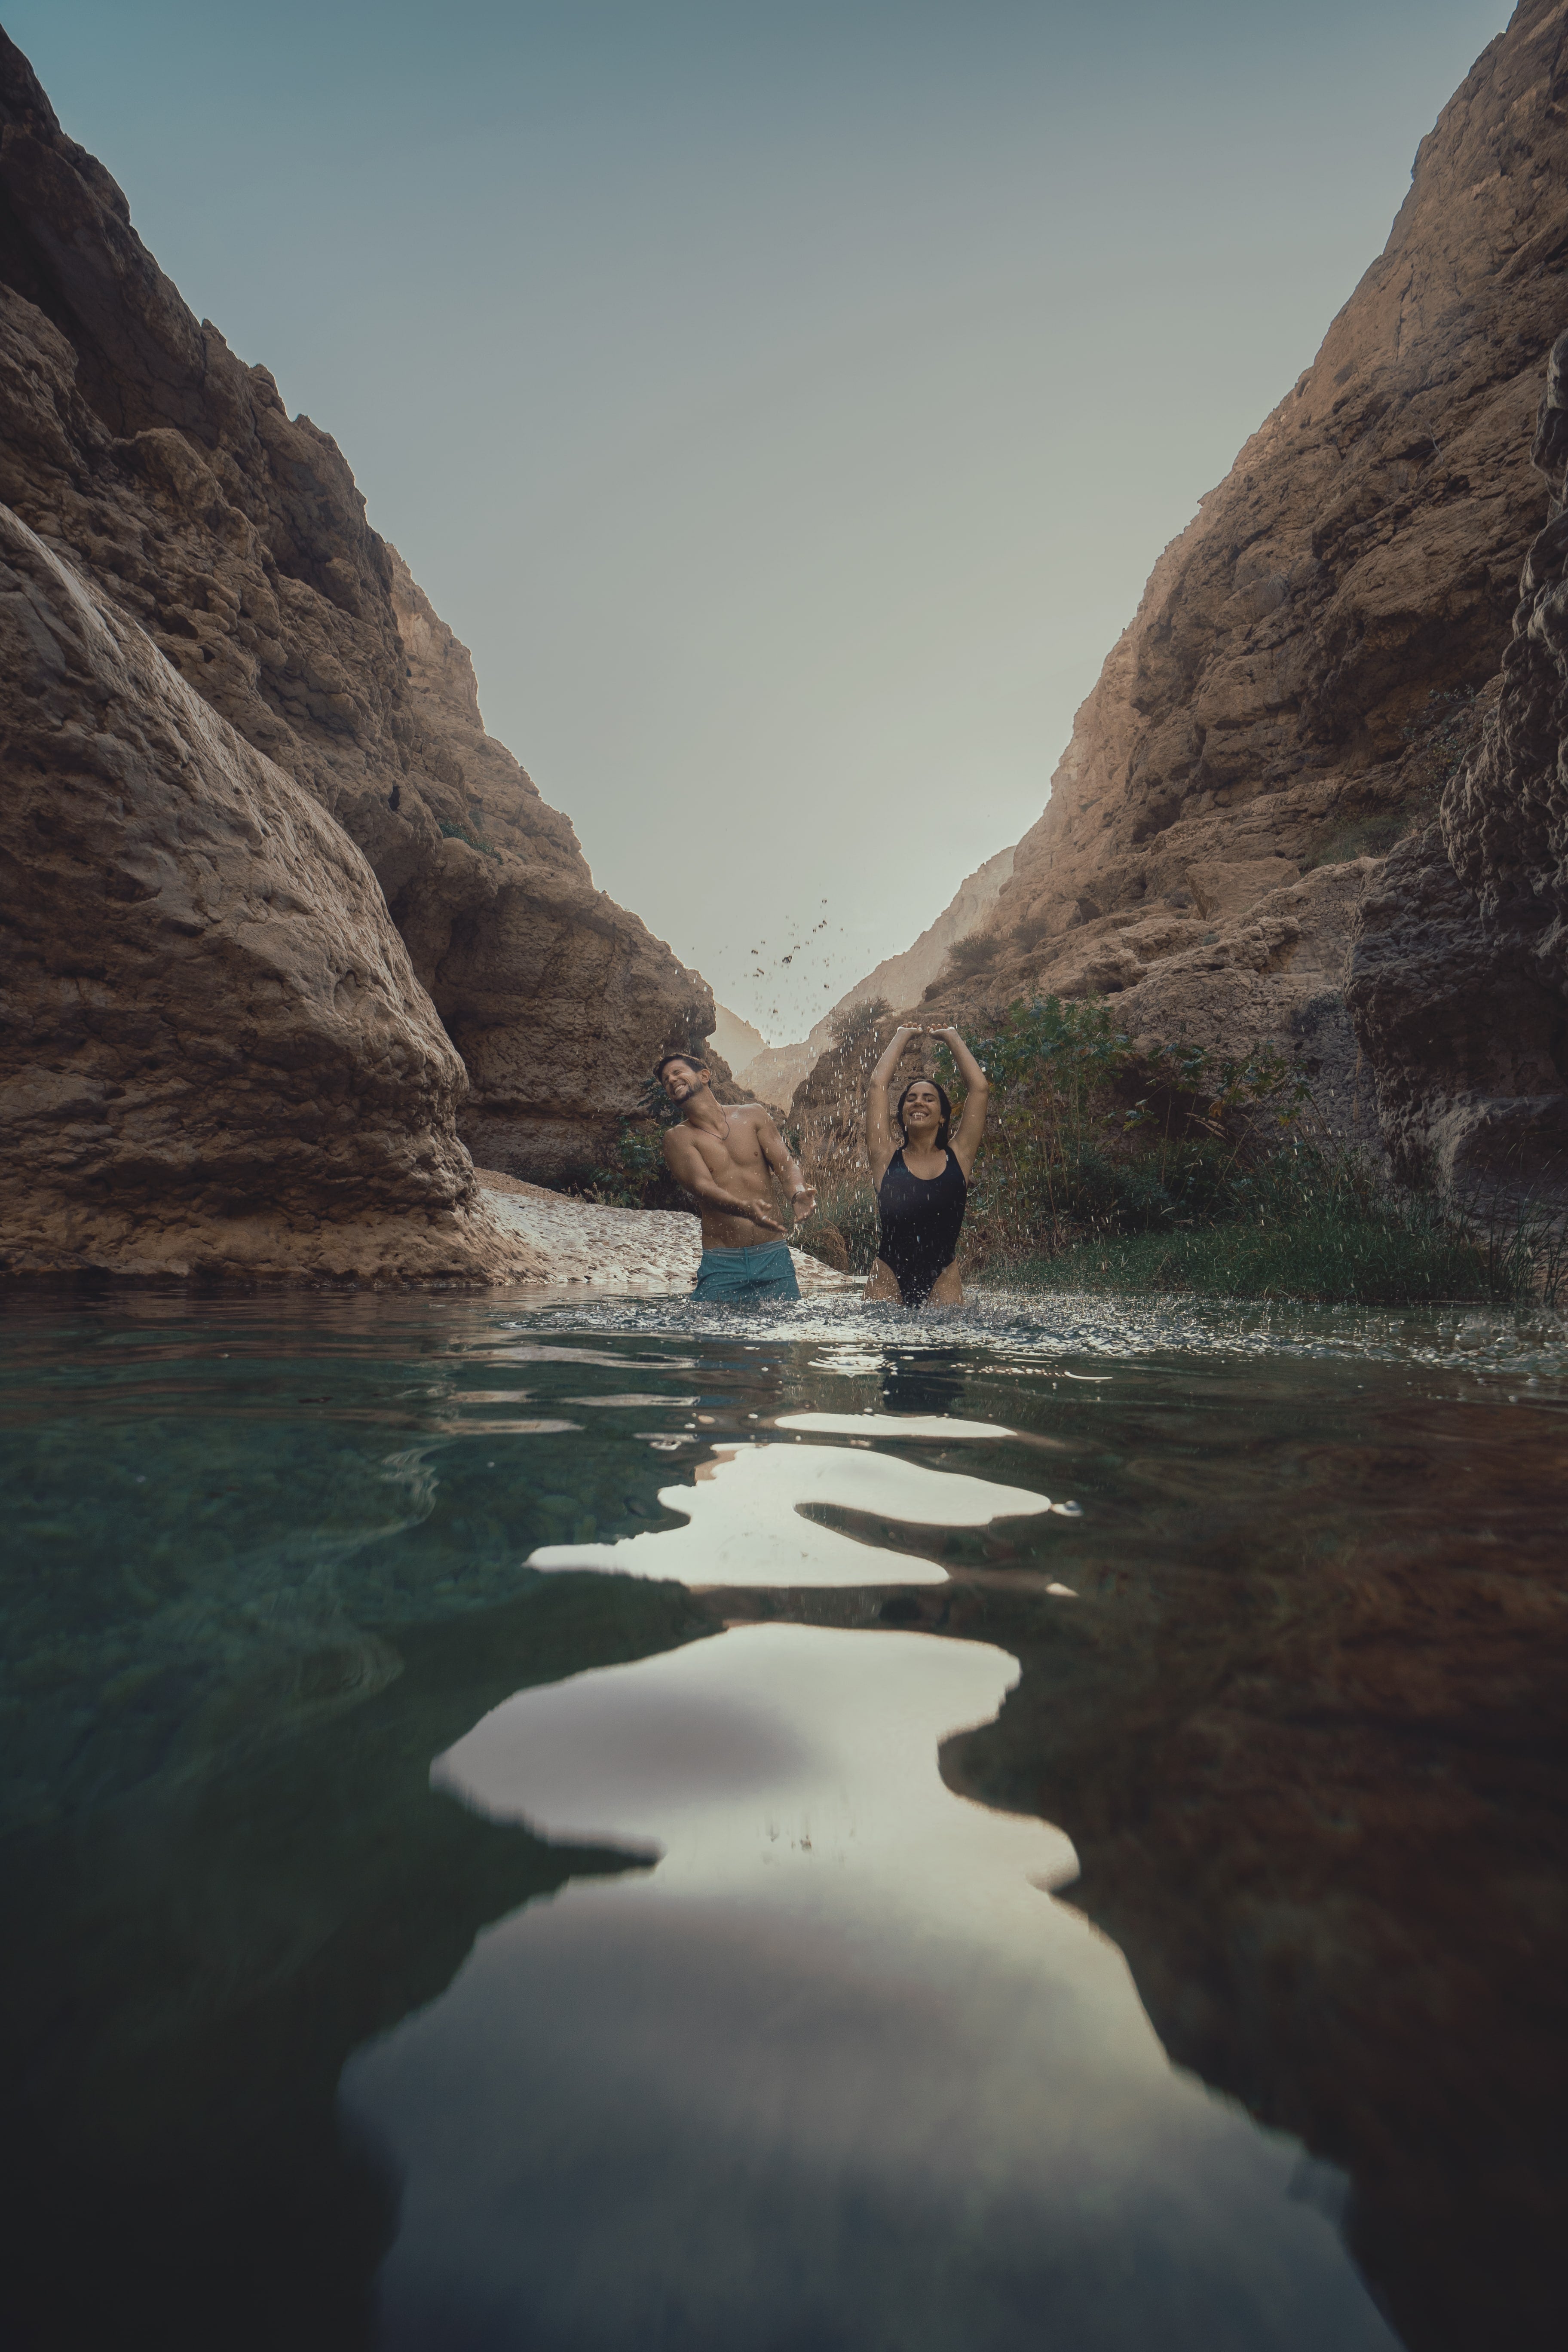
column 785, row 402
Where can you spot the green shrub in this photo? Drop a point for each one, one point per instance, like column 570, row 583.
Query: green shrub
column 858, row 1021
column 474, row 838
column 635, row 1175
column 1089, row 1134
column 1106, row 1167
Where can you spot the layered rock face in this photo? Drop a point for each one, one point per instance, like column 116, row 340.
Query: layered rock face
column 168, row 478
column 558, row 1000
column 903, row 978
column 1459, row 981
column 1309, row 662
column 213, row 1053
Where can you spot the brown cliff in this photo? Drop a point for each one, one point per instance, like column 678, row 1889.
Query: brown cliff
column 1309, row 662
column 1459, row 979
column 558, row 1000
column 213, row 1053
column 167, row 475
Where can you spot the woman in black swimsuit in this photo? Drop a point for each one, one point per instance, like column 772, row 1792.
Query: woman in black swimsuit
column 922, row 1186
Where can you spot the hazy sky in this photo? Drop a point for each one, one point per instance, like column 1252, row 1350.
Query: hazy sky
column 786, row 402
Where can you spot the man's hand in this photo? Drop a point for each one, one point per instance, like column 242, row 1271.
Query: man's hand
column 804, row 1202
column 761, row 1215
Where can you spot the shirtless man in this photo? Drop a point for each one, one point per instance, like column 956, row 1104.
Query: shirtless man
column 722, row 1153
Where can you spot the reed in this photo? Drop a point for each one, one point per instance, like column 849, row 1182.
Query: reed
column 1408, row 1255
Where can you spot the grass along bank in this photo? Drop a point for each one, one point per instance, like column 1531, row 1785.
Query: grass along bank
column 1337, row 1260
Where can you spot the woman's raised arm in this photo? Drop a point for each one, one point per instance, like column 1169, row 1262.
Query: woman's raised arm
column 977, row 1088
column 878, row 1134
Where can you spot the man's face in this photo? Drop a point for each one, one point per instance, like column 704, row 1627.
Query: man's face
column 681, row 1080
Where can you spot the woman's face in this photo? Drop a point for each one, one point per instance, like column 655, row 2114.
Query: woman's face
column 922, row 1108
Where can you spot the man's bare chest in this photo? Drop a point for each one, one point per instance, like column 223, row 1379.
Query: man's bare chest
column 739, row 1153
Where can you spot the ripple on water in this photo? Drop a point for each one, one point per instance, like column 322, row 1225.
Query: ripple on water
column 853, row 1336
column 805, row 2026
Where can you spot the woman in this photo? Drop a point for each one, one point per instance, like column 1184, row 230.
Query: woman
column 921, row 1187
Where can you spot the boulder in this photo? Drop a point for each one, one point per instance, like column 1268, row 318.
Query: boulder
column 215, row 1057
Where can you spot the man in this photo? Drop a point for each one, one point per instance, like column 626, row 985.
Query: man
column 721, row 1154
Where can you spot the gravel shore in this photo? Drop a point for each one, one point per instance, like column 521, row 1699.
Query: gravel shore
column 585, row 1243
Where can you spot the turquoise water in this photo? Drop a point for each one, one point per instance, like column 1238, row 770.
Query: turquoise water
column 607, row 1824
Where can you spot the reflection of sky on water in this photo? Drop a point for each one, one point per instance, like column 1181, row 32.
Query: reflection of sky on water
column 834, row 2072
column 831, row 2059
column 940, row 1427
column 746, row 1524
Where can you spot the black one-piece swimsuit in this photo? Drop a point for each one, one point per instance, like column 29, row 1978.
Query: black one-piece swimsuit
column 923, row 1217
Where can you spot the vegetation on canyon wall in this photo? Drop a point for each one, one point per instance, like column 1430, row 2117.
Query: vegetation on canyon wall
column 632, row 1175
column 1119, row 1165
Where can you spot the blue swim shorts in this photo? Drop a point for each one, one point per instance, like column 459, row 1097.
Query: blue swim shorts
column 764, row 1273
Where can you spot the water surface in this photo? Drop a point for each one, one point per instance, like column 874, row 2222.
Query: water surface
column 610, row 1824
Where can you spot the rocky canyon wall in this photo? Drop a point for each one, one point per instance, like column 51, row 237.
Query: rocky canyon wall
column 216, row 1057
column 1459, row 975
column 188, row 507
column 1313, row 659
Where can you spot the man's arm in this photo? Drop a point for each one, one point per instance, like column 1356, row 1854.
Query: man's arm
column 801, row 1194
column 690, row 1171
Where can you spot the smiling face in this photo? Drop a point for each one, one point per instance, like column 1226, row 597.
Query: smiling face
column 681, row 1079
column 922, row 1112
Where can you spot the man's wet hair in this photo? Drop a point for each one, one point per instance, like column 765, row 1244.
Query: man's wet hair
column 694, row 1062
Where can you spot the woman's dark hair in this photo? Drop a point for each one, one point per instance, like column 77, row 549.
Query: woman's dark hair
column 941, row 1136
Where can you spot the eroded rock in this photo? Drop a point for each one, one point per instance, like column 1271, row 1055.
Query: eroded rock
column 1459, row 986
column 171, row 479
column 1308, row 664
column 214, row 1056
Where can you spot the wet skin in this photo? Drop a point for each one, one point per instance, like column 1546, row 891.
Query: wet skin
column 921, row 1118
column 725, row 1155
